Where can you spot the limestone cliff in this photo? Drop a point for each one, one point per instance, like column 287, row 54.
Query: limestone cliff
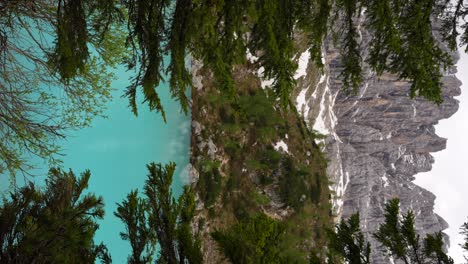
column 376, row 141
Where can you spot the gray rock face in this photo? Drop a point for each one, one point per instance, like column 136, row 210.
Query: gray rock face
column 376, row 142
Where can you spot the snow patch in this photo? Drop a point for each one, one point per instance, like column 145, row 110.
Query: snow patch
column 250, row 57
column 319, row 123
column 327, row 114
column 321, row 80
column 281, row 146
column 385, row 180
column 302, row 102
column 260, row 73
column 346, row 181
column 265, row 83
column 339, row 188
column 302, row 64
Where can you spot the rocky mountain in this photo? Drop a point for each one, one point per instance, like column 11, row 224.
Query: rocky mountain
column 376, row 140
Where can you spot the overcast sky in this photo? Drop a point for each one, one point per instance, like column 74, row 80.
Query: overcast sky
column 448, row 179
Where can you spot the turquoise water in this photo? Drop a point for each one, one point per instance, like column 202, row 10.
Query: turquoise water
column 116, row 150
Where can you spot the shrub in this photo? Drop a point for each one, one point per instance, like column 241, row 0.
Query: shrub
column 293, row 187
column 253, row 240
column 210, row 182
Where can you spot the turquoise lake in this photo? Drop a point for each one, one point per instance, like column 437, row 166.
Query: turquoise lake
column 116, row 150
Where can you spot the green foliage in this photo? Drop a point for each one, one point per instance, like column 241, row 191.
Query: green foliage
column 313, row 19
column 244, row 206
column 405, row 45
column 71, row 50
column 259, row 198
column 133, row 212
column 233, row 148
column 80, row 23
column 316, row 189
column 314, row 259
column 294, row 189
column 433, row 249
column 90, row 35
column 382, row 16
column 265, row 161
column 51, row 87
column 163, row 208
column 219, row 42
column 257, row 111
column 450, row 14
column 189, row 246
column 347, row 241
column 210, row 182
column 52, row 225
column 215, row 32
column 389, row 233
column 252, row 240
column 397, row 236
column 159, row 219
column 401, row 241
column 147, row 29
column 273, row 34
column 350, row 51
column 180, row 35
column 233, row 182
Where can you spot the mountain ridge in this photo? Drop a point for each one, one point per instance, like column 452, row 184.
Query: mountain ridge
column 376, row 141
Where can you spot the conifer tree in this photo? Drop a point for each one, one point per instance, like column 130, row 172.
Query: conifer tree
column 400, row 240
column 134, row 213
column 347, row 241
column 54, row 224
column 89, row 37
column 160, row 219
column 396, row 234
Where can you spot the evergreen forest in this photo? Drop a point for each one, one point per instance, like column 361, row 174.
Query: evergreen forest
column 57, row 63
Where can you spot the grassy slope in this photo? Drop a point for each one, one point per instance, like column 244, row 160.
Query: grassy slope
column 247, row 176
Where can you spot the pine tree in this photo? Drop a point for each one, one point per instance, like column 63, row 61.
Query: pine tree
column 189, row 245
column 400, row 240
column 348, row 242
column 396, row 234
column 134, row 213
column 160, row 219
column 54, row 224
column 89, row 36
